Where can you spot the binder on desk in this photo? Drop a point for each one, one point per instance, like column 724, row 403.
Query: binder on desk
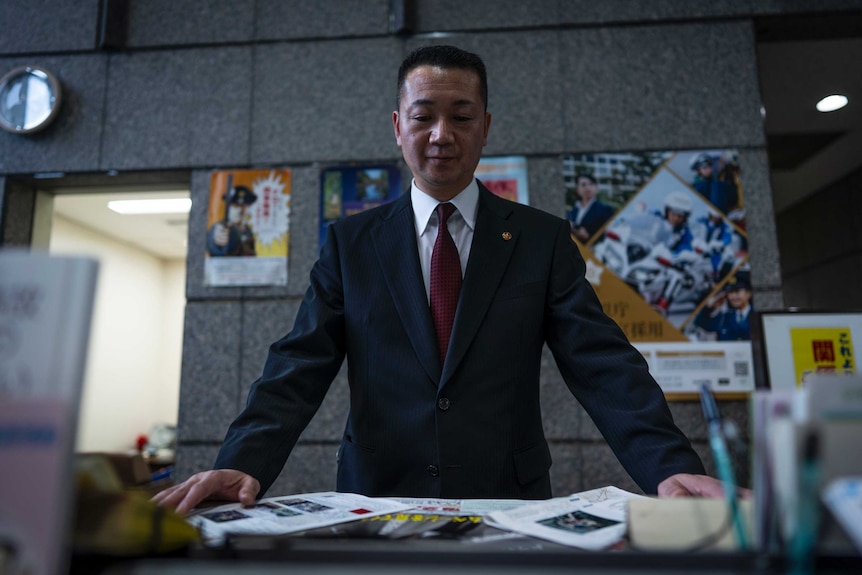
column 45, row 310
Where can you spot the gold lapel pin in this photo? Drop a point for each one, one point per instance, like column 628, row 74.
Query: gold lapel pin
column 507, row 236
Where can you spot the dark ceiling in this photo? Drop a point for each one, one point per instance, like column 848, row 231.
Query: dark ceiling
column 801, row 59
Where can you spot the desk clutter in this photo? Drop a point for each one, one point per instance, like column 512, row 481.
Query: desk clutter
column 808, row 470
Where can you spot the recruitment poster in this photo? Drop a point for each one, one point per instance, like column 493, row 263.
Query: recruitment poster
column 664, row 237
column 248, row 228
column 353, row 189
column 505, row 177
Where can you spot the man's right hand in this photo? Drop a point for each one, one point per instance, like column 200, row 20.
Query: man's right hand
column 223, row 484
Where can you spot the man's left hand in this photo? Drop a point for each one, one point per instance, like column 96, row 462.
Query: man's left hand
column 687, row 485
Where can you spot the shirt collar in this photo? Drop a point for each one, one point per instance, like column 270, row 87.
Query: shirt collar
column 467, row 202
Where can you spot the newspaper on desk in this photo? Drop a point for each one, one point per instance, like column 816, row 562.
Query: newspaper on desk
column 594, row 519
column 458, row 507
column 290, row 514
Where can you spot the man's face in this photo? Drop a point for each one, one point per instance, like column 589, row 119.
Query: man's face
column 587, row 190
column 675, row 219
column 739, row 298
column 441, row 126
column 705, row 170
column 235, row 213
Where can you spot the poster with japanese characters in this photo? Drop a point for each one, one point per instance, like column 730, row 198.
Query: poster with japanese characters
column 248, row 228
column 664, row 237
column 798, row 345
column 346, row 190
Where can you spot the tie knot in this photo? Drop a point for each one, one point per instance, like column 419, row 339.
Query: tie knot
column 444, row 211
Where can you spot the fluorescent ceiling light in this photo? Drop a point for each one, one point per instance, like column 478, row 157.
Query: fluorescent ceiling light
column 153, row 206
column 832, row 103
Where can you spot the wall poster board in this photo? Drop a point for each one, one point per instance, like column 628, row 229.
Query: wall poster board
column 791, row 346
column 664, row 237
column 349, row 190
column 248, row 228
column 506, row 177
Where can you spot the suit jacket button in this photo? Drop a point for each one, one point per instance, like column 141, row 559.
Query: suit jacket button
column 433, row 471
column 443, row 403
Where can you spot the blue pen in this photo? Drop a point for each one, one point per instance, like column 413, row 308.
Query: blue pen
column 722, row 461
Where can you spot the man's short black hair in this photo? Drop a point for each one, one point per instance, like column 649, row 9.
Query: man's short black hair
column 443, row 57
column 590, row 177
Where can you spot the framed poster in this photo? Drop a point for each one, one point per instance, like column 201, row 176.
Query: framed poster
column 248, row 228
column 352, row 189
column 505, row 177
column 664, row 237
column 790, row 346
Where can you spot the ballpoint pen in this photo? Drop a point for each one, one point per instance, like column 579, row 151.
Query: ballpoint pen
column 722, row 461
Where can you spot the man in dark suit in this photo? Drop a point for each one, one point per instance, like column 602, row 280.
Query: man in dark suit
column 435, row 413
column 588, row 214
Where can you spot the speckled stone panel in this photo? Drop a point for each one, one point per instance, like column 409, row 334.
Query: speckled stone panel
column 562, row 415
column 210, row 370
column 178, row 108
column 452, row 15
column 674, row 86
column 545, row 178
column 72, row 141
column 325, row 101
column 618, row 11
column 333, row 18
column 524, row 96
column 309, row 469
column 192, row 458
column 183, row 22
column 760, row 219
column 567, row 468
column 264, row 322
column 596, row 464
column 16, row 214
column 48, row 26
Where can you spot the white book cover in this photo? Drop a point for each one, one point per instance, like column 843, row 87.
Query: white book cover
column 46, row 306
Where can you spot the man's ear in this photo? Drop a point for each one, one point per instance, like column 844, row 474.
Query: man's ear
column 396, row 127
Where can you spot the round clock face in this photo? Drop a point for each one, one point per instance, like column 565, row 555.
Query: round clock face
column 29, row 99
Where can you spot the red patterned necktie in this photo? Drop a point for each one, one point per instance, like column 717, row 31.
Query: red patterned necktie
column 445, row 280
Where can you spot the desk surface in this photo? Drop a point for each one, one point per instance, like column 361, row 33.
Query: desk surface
column 262, row 556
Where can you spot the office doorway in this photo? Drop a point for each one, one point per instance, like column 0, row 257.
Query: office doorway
column 132, row 378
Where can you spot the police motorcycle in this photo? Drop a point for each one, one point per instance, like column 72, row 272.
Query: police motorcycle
column 688, row 277
column 638, row 251
column 630, row 248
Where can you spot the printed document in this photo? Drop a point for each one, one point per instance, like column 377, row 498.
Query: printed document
column 594, row 519
column 289, row 514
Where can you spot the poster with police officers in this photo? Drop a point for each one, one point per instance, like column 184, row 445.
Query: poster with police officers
column 664, row 236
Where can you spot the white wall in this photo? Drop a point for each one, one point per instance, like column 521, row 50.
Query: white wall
column 132, row 378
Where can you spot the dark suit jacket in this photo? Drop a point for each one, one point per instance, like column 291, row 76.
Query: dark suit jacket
column 596, row 216
column 471, row 428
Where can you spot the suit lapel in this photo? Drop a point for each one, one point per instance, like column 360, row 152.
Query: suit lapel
column 403, row 275
column 489, row 256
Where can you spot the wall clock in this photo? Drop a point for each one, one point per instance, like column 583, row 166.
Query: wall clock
column 29, row 99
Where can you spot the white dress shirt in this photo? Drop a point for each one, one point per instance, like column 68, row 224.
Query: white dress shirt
column 461, row 224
